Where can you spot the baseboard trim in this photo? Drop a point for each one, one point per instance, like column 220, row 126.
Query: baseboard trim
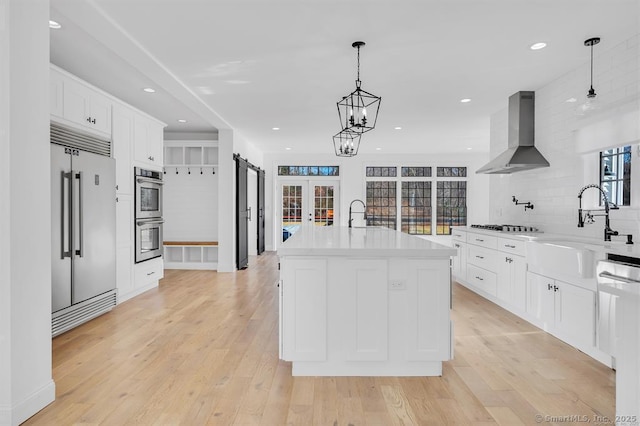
column 29, row 406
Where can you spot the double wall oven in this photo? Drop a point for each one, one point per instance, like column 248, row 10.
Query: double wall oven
column 148, row 217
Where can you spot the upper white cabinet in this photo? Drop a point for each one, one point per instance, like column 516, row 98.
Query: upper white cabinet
column 148, row 142
column 122, row 146
column 75, row 102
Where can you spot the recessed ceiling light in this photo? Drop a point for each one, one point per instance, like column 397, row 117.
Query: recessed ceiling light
column 469, row 149
column 149, row 90
column 288, row 149
column 398, row 128
column 538, row 46
column 571, row 100
column 181, row 120
column 54, row 25
column 275, row 128
column 378, row 149
column 465, row 100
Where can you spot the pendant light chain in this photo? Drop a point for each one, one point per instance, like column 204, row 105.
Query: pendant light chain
column 358, row 79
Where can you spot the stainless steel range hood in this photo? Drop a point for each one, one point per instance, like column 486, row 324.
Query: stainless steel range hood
column 521, row 153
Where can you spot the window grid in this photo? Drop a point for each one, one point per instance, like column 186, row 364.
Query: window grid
column 615, row 175
column 451, row 172
column 416, row 207
column 451, row 205
column 291, row 205
column 381, row 204
column 308, row 170
column 416, row 171
column 323, row 205
column 378, row 171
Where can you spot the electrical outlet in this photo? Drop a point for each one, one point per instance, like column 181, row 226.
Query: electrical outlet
column 397, row 285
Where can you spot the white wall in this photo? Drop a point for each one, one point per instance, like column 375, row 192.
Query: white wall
column 352, row 181
column 26, row 385
column 571, row 144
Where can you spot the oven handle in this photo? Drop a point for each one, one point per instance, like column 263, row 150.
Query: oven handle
column 149, row 180
column 149, row 222
column 609, row 275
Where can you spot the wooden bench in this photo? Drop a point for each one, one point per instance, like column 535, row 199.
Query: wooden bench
column 190, row 243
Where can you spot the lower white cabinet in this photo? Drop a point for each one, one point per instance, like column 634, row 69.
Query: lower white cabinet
column 459, row 262
column 124, row 272
column 512, row 280
column 361, row 316
column 562, row 309
column 304, row 309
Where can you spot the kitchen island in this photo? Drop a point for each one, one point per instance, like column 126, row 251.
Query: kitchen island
column 364, row 302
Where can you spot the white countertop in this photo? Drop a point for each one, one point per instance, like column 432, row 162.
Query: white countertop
column 618, row 246
column 370, row 241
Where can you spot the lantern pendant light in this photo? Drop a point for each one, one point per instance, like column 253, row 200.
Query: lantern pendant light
column 591, row 103
column 346, row 143
column 358, row 111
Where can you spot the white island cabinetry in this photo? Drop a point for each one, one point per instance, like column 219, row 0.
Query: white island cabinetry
column 364, row 302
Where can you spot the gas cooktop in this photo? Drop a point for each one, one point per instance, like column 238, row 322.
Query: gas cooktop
column 507, row 228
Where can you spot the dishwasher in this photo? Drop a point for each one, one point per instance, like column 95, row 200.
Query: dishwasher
column 619, row 320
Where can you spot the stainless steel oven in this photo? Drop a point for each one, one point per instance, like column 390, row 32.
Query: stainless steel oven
column 148, row 239
column 148, row 184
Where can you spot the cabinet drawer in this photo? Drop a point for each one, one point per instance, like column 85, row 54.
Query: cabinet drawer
column 457, row 235
column 482, row 279
column 149, row 272
column 486, row 259
column 488, row 241
column 511, row 246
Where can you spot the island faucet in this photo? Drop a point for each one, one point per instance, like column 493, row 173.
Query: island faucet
column 608, row 232
column 364, row 211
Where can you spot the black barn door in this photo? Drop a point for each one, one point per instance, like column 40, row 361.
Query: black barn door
column 242, row 215
column 261, row 219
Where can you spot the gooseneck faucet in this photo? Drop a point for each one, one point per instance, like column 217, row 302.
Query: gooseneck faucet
column 608, row 232
column 364, row 211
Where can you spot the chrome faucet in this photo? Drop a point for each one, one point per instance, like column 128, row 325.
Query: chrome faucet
column 364, row 211
column 608, row 232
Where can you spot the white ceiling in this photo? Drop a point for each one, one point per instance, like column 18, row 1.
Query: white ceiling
column 252, row 65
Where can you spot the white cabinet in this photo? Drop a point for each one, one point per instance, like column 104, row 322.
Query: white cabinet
column 122, row 146
column 124, row 272
column 565, row 310
column 56, row 87
column 148, row 142
column 303, row 322
column 459, row 262
column 147, row 274
column 76, row 102
column 512, row 280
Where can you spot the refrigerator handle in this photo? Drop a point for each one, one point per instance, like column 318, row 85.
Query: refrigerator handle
column 80, row 218
column 65, row 235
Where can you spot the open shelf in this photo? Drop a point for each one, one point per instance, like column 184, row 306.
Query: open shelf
column 191, row 255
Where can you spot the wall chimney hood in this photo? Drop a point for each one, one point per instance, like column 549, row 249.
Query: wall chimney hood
column 521, row 153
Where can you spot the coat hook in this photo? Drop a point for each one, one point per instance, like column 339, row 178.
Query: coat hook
column 189, row 170
column 214, row 170
column 200, row 170
column 164, row 170
column 176, row 170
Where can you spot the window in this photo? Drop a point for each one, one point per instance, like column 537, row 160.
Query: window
column 615, row 175
column 418, row 191
column 452, row 206
column 308, row 170
column 381, row 203
column 416, row 207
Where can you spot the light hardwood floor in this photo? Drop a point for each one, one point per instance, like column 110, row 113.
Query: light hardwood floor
column 203, row 349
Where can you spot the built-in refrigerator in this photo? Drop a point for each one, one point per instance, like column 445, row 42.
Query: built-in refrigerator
column 83, row 228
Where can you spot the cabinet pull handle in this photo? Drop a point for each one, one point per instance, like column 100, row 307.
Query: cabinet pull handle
column 457, row 245
column 479, row 240
column 508, row 259
column 151, row 158
column 556, row 288
column 480, row 257
column 549, row 286
column 479, row 278
column 151, row 273
column 509, row 246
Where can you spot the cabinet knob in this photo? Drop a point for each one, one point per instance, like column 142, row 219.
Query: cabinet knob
column 151, row 158
column 556, row 288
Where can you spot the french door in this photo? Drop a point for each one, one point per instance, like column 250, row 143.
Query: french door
column 307, row 203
